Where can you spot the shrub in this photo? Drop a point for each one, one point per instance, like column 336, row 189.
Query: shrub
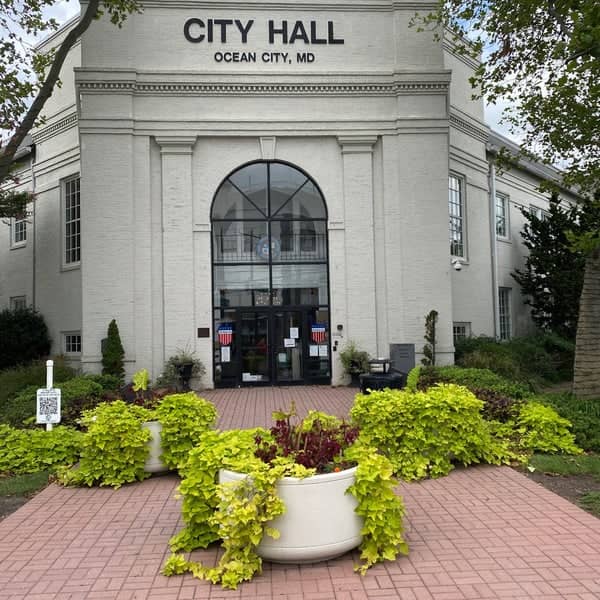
column 473, row 379
column 185, row 418
column 77, row 394
column 109, row 383
column 497, row 406
column 114, row 447
column 17, row 378
column 422, row 432
column 544, row 356
column 113, row 353
column 584, row 416
column 33, row 450
column 542, row 429
column 23, row 337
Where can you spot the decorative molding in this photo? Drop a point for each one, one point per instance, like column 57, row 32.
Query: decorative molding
column 357, row 144
column 176, row 144
column 56, row 128
column 270, row 89
column 267, row 147
column 480, row 133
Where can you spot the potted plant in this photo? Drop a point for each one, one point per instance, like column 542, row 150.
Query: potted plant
column 180, row 369
column 354, row 361
column 277, row 494
column 125, row 442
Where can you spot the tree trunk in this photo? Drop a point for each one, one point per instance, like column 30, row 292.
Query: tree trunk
column 586, row 379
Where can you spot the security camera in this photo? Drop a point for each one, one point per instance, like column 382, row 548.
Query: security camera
column 457, row 264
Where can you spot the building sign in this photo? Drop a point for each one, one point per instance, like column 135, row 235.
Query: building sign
column 237, row 31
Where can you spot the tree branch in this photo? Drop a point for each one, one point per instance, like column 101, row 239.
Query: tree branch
column 7, row 156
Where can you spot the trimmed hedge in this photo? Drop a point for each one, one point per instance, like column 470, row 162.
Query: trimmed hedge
column 23, row 337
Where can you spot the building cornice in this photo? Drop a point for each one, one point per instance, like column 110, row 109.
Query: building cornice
column 266, row 89
column 479, row 131
column 56, row 128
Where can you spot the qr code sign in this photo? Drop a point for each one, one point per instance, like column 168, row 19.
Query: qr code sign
column 48, row 406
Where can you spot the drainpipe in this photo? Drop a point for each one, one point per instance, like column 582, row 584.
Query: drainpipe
column 33, row 253
column 493, row 247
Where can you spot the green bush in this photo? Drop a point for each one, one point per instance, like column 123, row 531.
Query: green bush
column 17, row 378
column 584, row 416
column 184, row 419
column 77, row 394
column 114, row 448
column 23, row 337
column 542, row 429
column 543, row 356
column 473, row 379
column 33, row 450
column 113, row 353
column 109, row 383
column 422, row 432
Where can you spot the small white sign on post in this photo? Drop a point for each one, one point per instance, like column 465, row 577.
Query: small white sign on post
column 48, row 400
column 48, row 406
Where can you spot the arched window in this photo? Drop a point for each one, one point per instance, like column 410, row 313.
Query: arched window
column 269, row 249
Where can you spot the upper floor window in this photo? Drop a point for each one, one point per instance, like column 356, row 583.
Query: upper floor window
column 540, row 213
column 502, row 214
column 72, row 222
column 456, row 212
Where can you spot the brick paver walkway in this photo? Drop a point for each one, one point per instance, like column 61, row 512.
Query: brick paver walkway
column 480, row 533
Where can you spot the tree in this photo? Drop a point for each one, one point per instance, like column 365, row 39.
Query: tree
column 113, row 353
column 542, row 57
column 28, row 76
column 552, row 279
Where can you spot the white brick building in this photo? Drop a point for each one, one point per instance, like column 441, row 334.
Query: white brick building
column 285, row 171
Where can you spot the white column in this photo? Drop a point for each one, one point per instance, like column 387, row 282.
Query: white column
column 357, row 155
column 178, row 249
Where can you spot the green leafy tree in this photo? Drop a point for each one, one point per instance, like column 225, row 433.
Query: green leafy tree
column 28, row 76
column 113, row 353
column 552, row 279
column 542, row 58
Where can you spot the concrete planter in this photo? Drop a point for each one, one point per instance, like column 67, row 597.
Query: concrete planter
column 153, row 463
column 319, row 522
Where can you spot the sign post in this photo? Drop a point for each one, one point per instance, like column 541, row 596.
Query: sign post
column 48, row 400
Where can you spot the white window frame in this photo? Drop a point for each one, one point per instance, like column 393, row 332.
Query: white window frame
column 540, row 213
column 71, row 255
column 504, row 200
column 17, row 302
column 66, row 343
column 505, row 313
column 465, row 326
column 18, row 227
column 457, row 218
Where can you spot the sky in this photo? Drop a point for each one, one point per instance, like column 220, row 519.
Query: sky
column 65, row 9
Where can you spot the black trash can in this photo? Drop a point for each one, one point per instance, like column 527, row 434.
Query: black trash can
column 394, row 380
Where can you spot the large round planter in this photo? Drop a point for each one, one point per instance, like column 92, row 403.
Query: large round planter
column 153, row 463
column 319, row 522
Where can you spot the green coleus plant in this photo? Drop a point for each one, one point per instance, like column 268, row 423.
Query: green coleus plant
column 240, row 513
column 184, row 419
column 114, row 447
column 33, row 450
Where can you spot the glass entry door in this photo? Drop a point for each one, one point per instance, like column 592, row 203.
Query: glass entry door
column 254, row 347
column 288, row 346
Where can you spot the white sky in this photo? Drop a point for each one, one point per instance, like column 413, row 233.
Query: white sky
column 65, row 9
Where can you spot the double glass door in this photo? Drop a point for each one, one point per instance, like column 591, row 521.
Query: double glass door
column 272, row 346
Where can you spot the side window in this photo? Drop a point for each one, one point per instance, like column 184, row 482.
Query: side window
column 72, row 342
column 504, row 313
column 502, row 216
column 456, row 210
column 71, row 222
column 460, row 331
column 18, row 302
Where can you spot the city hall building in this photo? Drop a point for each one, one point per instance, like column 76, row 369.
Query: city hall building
column 261, row 182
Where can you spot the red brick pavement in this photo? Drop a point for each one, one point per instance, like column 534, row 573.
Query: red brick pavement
column 480, row 533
